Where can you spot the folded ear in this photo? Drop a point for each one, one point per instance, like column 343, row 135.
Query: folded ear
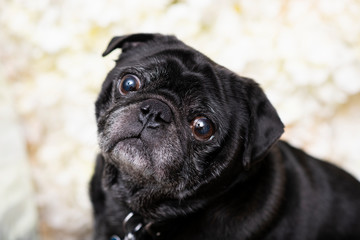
column 126, row 42
column 264, row 128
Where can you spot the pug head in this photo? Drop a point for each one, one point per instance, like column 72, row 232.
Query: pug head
column 170, row 118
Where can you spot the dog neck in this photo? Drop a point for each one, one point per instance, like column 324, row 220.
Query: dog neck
column 159, row 216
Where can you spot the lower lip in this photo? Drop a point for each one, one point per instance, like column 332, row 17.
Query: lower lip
column 130, row 142
column 133, row 151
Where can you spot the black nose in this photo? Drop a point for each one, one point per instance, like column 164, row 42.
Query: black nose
column 154, row 113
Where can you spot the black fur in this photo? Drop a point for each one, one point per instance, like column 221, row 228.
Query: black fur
column 243, row 183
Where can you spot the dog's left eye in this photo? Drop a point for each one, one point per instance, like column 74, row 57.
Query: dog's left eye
column 202, row 128
column 129, row 83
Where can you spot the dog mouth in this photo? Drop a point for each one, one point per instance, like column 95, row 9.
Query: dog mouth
column 135, row 141
column 142, row 141
column 131, row 155
column 153, row 159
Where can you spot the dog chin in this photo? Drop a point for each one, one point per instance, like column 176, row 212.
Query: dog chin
column 133, row 157
column 130, row 154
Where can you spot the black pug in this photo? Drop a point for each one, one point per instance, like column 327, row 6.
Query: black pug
column 190, row 150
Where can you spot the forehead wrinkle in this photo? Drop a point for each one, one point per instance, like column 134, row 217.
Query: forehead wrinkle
column 195, row 72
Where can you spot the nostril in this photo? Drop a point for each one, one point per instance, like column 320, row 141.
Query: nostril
column 144, row 113
column 158, row 118
column 165, row 116
column 145, row 109
column 154, row 113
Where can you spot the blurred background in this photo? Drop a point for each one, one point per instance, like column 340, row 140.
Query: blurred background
column 304, row 53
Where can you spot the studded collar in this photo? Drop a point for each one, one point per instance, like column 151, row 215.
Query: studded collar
column 135, row 229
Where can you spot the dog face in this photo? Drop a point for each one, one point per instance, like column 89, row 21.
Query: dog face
column 170, row 118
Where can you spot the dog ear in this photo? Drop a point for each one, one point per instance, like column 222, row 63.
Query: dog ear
column 126, row 42
column 265, row 126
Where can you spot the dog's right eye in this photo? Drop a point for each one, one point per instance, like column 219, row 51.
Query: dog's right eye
column 129, row 83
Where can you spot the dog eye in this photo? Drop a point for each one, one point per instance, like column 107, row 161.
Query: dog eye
column 129, row 83
column 202, row 128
